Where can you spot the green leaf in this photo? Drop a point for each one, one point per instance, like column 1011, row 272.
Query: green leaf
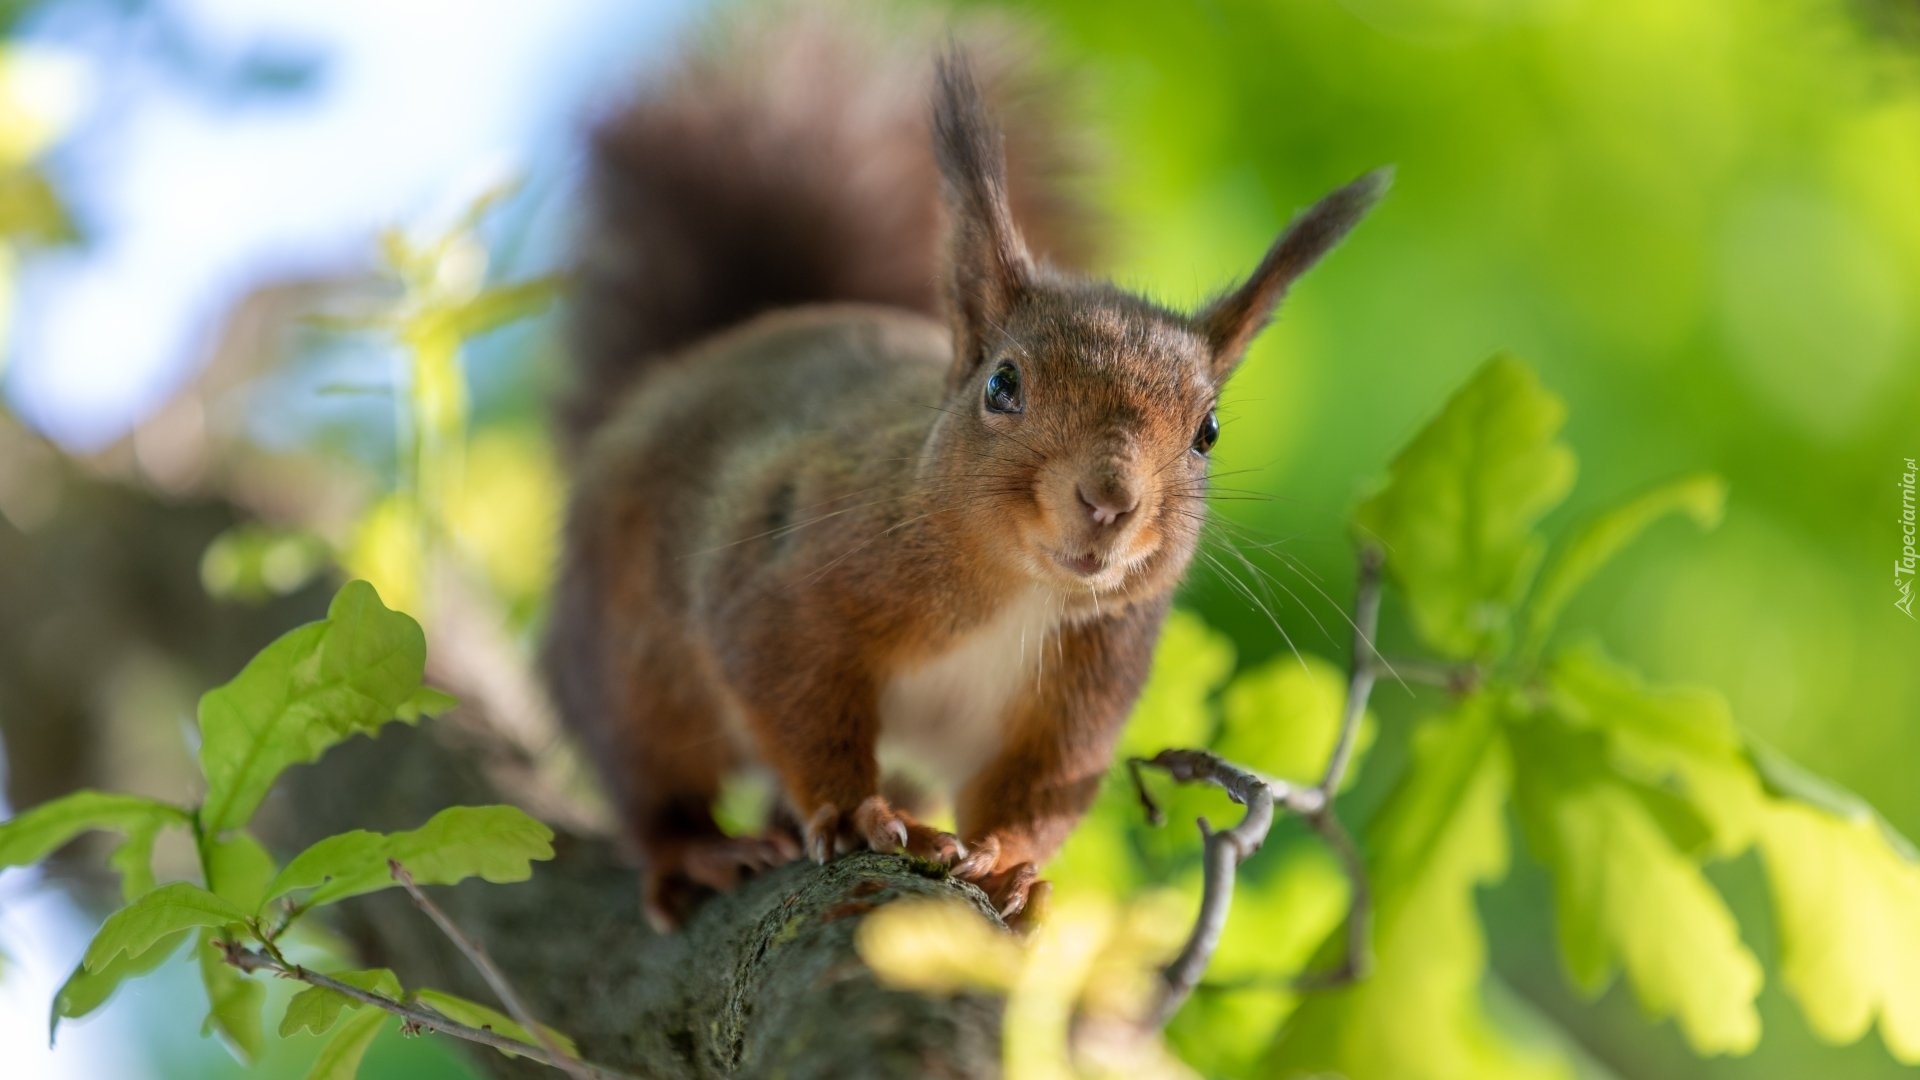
column 238, row 870
column 473, row 1014
column 425, row 702
column 502, row 304
column 234, row 1001
column 132, row 858
column 1190, row 662
column 497, row 843
column 1629, row 890
column 1702, row 497
column 340, row 1058
column 138, row 927
column 85, row 991
column 315, row 686
column 34, row 835
column 1283, row 717
column 1456, row 516
column 316, row 1008
column 1846, row 898
column 1663, row 737
column 1421, row 1014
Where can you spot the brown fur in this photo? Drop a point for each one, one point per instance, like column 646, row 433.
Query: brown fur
column 790, row 522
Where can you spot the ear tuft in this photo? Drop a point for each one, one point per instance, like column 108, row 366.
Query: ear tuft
column 988, row 260
column 1230, row 323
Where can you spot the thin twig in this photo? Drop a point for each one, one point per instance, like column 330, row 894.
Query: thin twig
column 497, row 981
column 1226, row 849
column 419, row 1016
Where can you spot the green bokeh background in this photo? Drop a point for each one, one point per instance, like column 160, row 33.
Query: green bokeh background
column 1700, row 222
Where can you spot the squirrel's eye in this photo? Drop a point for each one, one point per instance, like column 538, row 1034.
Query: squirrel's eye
column 1003, row 390
column 1208, row 434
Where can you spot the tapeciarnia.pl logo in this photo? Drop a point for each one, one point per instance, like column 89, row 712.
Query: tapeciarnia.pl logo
column 1903, row 566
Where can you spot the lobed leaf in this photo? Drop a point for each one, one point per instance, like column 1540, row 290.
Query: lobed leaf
column 316, row 1008
column 1702, row 497
column 234, row 1001
column 497, row 843
column 1629, row 891
column 1441, row 835
column 317, row 685
column 140, row 926
column 1457, row 513
column 86, row 990
column 1846, row 898
column 474, row 1014
column 34, row 835
column 1664, row 736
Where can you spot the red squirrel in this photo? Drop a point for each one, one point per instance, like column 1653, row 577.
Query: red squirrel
column 858, row 476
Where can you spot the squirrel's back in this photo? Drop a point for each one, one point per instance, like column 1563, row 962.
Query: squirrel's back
column 786, row 162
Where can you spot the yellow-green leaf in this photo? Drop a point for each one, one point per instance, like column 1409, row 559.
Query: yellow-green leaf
column 1456, row 516
column 1702, row 497
column 1664, row 736
column 340, row 1058
column 1421, row 1014
column 234, row 1001
column 315, row 686
column 1283, row 717
column 1629, row 888
column 497, row 843
column 138, row 927
column 316, row 1008
column 1846, row 899
column 474, row 1014
column 34, row 835
column 1190, row 662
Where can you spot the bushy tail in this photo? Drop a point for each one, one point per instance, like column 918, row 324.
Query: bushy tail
column 789, row 161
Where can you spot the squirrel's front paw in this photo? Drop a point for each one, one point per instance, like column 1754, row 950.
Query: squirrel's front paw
column 1013, row 888
column 876, row 825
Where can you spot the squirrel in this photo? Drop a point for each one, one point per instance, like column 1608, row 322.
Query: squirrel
column 860, row 473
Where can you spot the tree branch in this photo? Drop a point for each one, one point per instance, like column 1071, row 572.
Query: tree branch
column 502, row 989
column 1226, row 849
column 250, row 961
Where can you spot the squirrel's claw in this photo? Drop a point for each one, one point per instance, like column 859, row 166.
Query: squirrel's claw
column 676, row 877
column 877, row 826
column 1015, row 891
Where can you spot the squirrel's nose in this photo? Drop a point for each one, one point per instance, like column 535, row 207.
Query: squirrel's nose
column 1106, row 504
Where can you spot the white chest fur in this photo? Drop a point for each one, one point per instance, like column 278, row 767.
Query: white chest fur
column 941, row 719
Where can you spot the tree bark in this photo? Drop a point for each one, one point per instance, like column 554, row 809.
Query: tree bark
column 764, row 981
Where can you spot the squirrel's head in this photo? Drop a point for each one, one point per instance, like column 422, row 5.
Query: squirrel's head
column 1080, row 417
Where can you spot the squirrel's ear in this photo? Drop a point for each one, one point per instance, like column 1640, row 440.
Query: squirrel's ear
column 1229, row 323
column 988, row 265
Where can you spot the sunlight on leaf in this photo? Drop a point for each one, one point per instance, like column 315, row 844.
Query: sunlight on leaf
column 1847, row 903
column 1456, row 516
column 1629, row 889
column 1421, row 1015
column 1664, row 735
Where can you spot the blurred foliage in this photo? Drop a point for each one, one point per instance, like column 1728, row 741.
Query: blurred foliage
column 1699, row 221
